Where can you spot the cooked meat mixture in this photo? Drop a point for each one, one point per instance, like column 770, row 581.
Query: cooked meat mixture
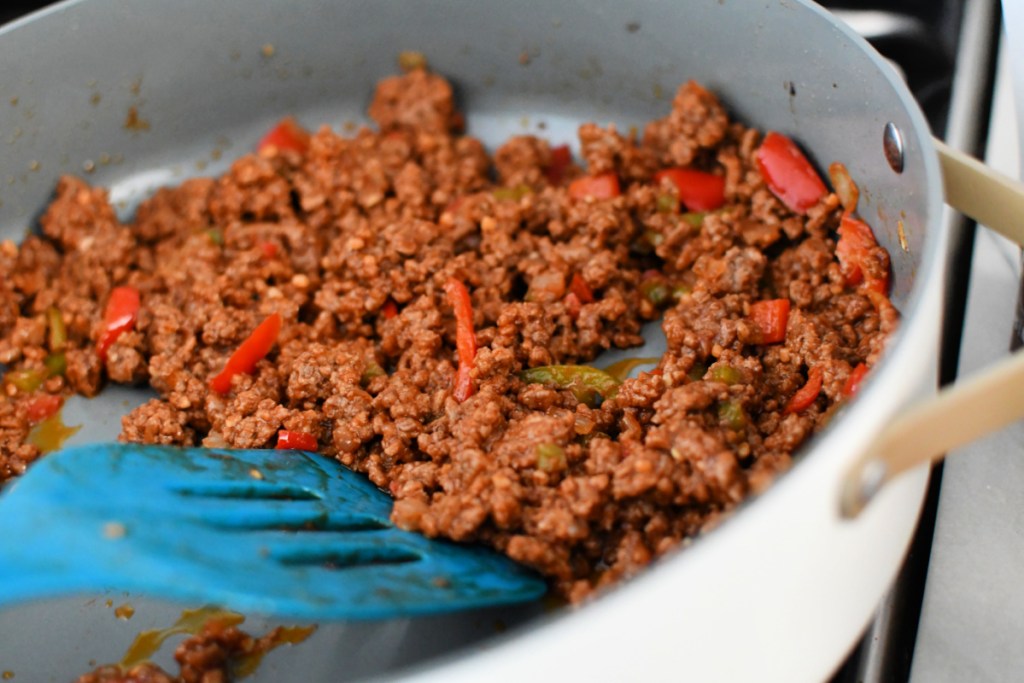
column 424, row 312
column 218, row 653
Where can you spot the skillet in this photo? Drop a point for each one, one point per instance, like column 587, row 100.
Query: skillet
column 785, row 586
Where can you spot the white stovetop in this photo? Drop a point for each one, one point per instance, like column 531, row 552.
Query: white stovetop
column 972, row 620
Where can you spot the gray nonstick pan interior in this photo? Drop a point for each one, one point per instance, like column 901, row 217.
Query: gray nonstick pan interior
column 138, row 95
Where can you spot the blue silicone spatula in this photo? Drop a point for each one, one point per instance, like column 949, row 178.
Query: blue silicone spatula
column 279, row 533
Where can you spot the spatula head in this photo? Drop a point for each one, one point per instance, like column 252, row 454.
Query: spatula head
column 281, row 533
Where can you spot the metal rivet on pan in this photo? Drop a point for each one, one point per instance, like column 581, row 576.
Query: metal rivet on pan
column 872, row 478
column 892, row 142
column 860, row 489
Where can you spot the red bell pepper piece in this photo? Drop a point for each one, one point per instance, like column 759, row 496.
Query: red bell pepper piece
column 604, row 186
column 465, row 337
column 42, row 407
column 852, row 384
column 287, row 134
column 573, row 305
column 458, row 122
column 579, row 293
column 453, row 205
column 770, row 318
column 389, row 309
column 788, row 173
column 119, row 317
column 807, row 394
column 579, row 287
column 561, row 157
column 698, row 190
column 251, row 351
column 298, row 441
column 856, row 249
column 268, row 249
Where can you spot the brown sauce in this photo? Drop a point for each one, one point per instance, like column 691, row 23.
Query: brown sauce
column 620, row 370
column 51, row 434
column 125, row 611
column 284, row 635
column 191, row 622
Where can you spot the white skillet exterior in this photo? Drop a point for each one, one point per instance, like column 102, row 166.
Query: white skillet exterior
column 784, row 587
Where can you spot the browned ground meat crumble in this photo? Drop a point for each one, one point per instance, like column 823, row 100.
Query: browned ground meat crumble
column 214, row 655
column 384, row 219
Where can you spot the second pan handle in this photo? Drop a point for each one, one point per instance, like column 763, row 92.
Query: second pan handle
column 970, row 408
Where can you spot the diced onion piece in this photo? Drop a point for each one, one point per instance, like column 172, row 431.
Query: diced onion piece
column 844, row 186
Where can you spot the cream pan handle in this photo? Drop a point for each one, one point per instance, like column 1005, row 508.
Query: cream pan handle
column 970, row 408
column 979, row 192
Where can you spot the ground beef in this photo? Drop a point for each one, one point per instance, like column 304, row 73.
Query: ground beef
column 218, row 653
column 140, row 673
column 351, row 241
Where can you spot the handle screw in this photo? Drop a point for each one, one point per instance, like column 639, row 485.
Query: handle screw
column 892, row 143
